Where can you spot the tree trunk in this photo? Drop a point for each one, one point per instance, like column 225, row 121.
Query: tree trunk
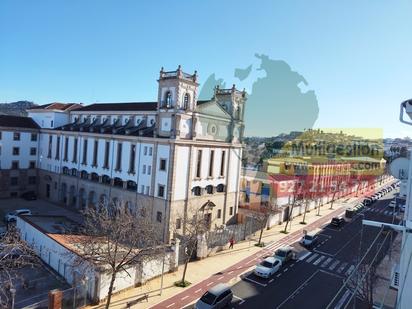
column 260, row 236
column 184, row 271
column 192, row 249
column 109, row 294
column 304, row 213
column 288, row 220
column 333, row 199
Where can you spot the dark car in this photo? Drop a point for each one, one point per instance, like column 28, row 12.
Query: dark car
column 337, row 221
column 29, row 196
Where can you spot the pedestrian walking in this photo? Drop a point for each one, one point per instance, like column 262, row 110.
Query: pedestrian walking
column 231, row 242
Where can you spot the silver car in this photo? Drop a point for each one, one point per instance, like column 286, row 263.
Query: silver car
column 218, row 296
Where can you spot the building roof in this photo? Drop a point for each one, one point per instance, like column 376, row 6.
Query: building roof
column 130, row 106
column 57, row 106
column 18, row 122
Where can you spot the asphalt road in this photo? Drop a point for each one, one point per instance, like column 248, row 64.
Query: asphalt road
column 318, row 275
column 315, row 279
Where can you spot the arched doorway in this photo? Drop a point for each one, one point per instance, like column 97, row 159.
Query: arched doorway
column 72, row 196
column 92, row 199
column 63, row 193
column 82, row 198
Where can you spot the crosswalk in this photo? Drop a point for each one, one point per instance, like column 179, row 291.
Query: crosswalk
column 384, row 211
column 329, row 263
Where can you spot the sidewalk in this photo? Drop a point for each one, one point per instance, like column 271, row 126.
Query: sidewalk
column 224, row 266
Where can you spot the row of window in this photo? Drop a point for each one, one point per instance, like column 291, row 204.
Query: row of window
column 211, row 164
column 117, row 182
column 15, row 165
column 17, row 136
column 14, row 181
column 198, row 191
column 147, row 151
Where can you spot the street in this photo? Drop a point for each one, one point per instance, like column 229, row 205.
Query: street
column 313, row 280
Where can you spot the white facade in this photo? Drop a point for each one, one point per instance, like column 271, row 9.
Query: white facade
column 165, row 156
column 18, row 146
column 49, row 119
column 66, row 263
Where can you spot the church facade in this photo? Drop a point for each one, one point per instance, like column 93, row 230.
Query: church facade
column 165, row 159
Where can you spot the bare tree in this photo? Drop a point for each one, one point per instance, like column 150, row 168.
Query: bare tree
column 296, row 199
column 196, row 224
column 114, row 238
column 306, row 200
column 262, row 216
column 15, row 254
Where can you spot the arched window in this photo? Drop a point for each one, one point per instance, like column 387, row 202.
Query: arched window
column 197, row 191
column 186, row 101
column 209, row 189
column 168, row 99
column 220, row 188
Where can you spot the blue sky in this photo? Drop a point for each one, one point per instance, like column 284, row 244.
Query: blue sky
column 355, row 55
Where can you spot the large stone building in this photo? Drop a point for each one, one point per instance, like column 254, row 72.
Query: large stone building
column 166, row 159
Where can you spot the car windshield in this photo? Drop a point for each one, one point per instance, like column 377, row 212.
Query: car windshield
column 281, row 253
column 266, row 264
column 309, row 237
column 208, row 298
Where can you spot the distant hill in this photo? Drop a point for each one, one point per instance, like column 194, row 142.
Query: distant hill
column 16, row 108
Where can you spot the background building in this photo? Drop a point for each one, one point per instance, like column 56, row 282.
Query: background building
column 19, row 139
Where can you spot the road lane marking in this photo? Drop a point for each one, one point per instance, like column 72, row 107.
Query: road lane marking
column 321, row 258
column 291, row 296
column 334, row 264
column 198, row 290
column 220, row 278
column 285, row 270
column 312, row 257
column 331, row 274
column 271, row 280
column 326, row 263
column 210, row 283
column 305, row 256
column 241, row 299
column 251, row 280
column 239, row 267
column 350, row 270
column 342, row 300
column 277, row 276
column 172, row 304
column 342, row 267
column 230, row 272
column 183, row 298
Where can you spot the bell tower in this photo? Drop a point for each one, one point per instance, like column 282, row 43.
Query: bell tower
column 177, row 95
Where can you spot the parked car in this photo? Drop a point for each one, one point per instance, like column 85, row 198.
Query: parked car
column 337, row 221
column 218, row 296
column 349, row 213
column 402, row 207
column 309, row 240
column 29, row 196
column 285, row 254
column 268, row 267
column 11, row 216
column 367, row 201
